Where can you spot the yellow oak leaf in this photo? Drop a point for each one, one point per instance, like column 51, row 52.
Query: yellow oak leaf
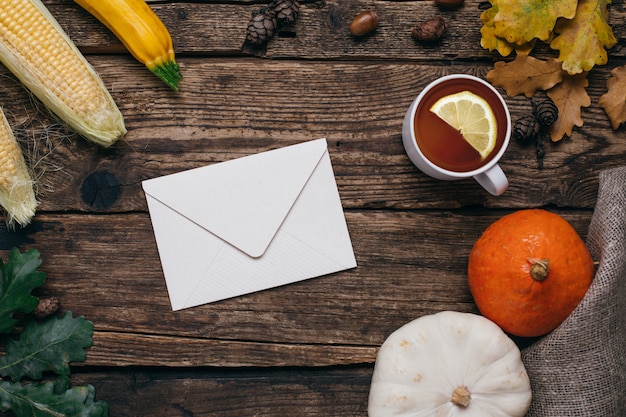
column 491, row 42
column 520, row 21
column 614, row 100
column 526, row 75
column 488, row 39
column 569, row 96
column 581, row 41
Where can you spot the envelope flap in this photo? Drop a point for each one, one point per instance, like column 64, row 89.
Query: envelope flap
column 245, row 200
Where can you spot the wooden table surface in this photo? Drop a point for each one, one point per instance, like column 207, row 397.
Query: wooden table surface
column 306, row 348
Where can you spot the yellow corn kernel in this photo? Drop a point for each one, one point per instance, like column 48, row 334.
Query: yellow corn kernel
column 16, row 186
column 37, row 51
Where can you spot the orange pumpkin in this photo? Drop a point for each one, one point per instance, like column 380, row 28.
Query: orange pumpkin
column 528, row 271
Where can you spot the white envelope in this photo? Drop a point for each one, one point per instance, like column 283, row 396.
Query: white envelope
column 249, row 224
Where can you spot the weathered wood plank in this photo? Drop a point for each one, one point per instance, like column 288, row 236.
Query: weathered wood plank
column 106, row 267
column 234, row 107
column 321, row 31
column 112, row 349
column 209, row 392
column 307, row 348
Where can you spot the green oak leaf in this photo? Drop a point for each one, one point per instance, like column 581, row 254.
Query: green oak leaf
column 18, row 277
column 40, row 400
column 47, row 346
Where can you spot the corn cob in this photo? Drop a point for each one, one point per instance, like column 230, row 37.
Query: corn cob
column 34, row 47
column 16, row 187
column 142, row 33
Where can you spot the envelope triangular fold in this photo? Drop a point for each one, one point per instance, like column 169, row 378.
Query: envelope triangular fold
column 245, row 200
column 310, row 238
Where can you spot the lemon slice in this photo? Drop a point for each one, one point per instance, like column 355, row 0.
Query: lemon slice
column 472, row 116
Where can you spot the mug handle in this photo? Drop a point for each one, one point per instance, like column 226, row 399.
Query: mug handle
column 493, row 180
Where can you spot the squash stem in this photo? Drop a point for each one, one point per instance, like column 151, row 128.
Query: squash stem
column 169, row 72
column 539, row 268
column 461, row 396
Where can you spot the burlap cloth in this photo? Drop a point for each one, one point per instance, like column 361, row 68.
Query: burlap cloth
column 580, row 368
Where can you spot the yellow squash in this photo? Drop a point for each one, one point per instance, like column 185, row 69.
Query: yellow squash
column 142, row 32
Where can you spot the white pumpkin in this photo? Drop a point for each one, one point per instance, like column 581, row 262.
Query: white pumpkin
column 449, row 364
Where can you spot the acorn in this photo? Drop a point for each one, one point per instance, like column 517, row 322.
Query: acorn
column 262, row 26
column 364, row 23
column 526, row 129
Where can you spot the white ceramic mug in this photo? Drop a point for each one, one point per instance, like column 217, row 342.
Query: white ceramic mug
column 490, row 176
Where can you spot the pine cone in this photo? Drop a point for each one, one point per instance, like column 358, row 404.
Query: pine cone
column 545, row 111
column 47, row 306
column 262, row 27
column 286, row 11
column 526, row 129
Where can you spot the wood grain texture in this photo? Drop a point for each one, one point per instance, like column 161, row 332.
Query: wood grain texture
column 305, row 349
column 106, row 267
column 141, row 392
column 320, row 32
column 230, row 108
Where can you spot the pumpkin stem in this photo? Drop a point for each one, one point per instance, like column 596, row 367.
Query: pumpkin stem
column 461, row 396
column 539, row 268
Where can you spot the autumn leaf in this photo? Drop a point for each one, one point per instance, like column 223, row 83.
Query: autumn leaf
column 569, row 96
column 488, row 39
column 579, row 30
column 520, row 21
column 614, row 100
column 583, row 40
column 491, row 42
column 526, row 75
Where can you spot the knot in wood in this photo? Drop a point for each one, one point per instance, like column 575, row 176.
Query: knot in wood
column 100, row 190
